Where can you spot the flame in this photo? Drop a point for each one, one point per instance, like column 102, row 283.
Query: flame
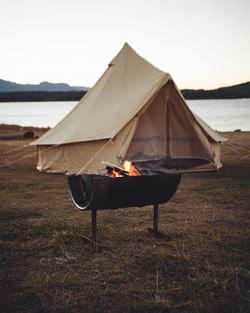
column 115, row 173
column 128, row 167
column 132, row 170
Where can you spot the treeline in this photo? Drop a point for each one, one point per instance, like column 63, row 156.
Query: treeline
column 232, row 92
column 41, row 96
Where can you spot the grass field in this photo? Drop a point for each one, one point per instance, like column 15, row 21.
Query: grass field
column 200, row 265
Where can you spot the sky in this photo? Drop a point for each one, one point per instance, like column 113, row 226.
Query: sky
column 201, row 43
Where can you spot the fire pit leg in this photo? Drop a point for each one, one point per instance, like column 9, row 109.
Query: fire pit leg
column 154, row 230
column 92, row 241
column 93, row 218
column 155, row 216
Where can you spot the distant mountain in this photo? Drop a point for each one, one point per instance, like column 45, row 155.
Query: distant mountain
column 45, row 91
column 231, row 92
column 7, row 86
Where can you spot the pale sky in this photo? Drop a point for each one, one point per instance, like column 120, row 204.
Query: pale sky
column 201, row 43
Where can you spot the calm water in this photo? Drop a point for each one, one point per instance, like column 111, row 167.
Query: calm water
column 41, row 114
column 222, row 115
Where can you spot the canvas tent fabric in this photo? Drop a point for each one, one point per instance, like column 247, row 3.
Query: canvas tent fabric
column 134, row 111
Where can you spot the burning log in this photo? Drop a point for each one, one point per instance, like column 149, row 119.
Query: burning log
column 127, row 169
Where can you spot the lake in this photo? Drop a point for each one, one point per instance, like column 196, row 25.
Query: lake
column 222, row 115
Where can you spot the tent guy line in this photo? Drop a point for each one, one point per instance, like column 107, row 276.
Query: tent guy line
column 94, row 156
column 15, row 149
column 23, row 158
column 225, row 144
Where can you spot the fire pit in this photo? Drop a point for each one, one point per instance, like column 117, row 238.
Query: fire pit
column 100, row 192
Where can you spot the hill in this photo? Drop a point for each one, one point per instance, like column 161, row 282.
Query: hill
column 231, row 92
column 46, row 91
column 8, row 86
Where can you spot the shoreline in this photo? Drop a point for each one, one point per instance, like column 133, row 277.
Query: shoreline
column 241, row 90
column 13, row 128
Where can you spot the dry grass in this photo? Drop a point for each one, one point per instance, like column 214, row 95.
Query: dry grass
column 201, row 265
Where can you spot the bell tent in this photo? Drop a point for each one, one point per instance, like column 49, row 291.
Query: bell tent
column 135, row 112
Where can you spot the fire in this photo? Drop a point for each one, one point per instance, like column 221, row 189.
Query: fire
column 131, row 169
column 126, row 165
column 127, row 169
column 115, row 173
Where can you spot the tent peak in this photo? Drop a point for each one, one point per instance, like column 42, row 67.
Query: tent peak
column 128, row 53
column 126, row 45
